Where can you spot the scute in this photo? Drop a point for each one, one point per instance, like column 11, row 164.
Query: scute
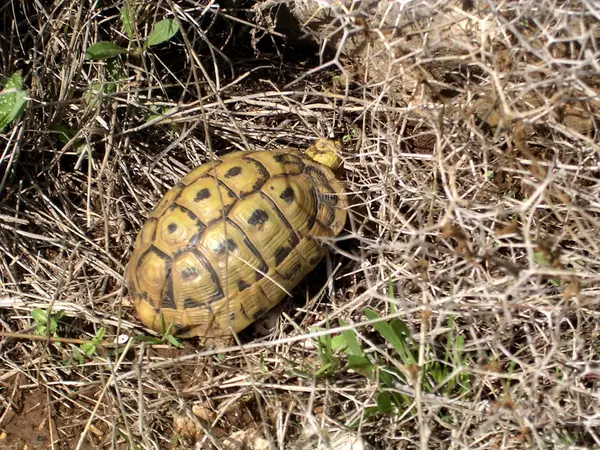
column 152, row 271
column 232, row 239
column 177, row 229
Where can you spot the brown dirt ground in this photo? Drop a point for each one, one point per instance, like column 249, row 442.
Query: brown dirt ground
column 26, row 426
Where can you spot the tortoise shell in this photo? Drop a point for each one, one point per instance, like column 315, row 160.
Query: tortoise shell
column 231, row 239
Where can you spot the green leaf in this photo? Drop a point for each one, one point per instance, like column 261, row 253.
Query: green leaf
column 14, row 82
column 384, row 402
column 163, row 326
column 53, row 325
column 370, row 412
column 128, row 19
column 392, row 296
column 173, row 341
column 12, row 100
column 359, row 362
column 400, row 329
column 352, row 344
column 148, row 339
column 338, row 343
column 162, row 32
column 88, row 348
column 390, row 335
column 459, row 344
column 64, row 133
column 541, row 258
column 261, row 363
column 39, row 315
column 115, row 74
column 326, row 368
column 99, row 335
column 91, row 95
column 77, row 355
column 103, row 50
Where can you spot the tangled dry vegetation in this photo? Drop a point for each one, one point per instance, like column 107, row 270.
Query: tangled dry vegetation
column 460, row 307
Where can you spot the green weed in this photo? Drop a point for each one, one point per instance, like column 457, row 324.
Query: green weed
column 12, row 100
column 163, row 31
column 166, row 338
column 441, row 372
column 46, row 323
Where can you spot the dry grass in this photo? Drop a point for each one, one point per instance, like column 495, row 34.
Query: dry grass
column 471, row 153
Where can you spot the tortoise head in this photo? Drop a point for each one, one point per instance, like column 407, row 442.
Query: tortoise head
column 326, row 152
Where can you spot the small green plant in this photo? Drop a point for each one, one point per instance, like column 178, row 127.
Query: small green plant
column 88, row 348
column 113, row 69
column 329, row 362
column 166, row 338
column 439, row 372
column 12, row 100
column 163, row 31
column 46, row 323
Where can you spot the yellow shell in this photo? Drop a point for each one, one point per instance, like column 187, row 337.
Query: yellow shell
column 228, row 241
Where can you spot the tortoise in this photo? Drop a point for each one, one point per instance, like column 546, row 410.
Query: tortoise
column 233, row 237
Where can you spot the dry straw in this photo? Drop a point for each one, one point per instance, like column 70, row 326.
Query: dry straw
column 470, row 133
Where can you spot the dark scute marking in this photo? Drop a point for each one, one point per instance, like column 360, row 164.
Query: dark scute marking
column 167, row 297
column 258, row 276
column 258, row 314
column 152, row 249
column 202, row 194
column 287, row 195
column 294, row 239
column 230, row 193
column 258, row 184
column 168, row 302
column 262, row 169
column 172, row 228
column 191, row 303
column 242, row 285
column 131, row 287
column 329, row 197
column 195, row 239
column 258, row 217
column 281, row 254
column 229, row 244
column 243, row 310
column 330, row 216
column 315, row 201
column 145, row 295
column 316, row 175
column 189, row 213
column 293, row 272
column 154, row 231
column 263, row 265
column 189, row 273
column 314, row 260
column 231, row 316
column 287, row 159
column 213, row 275
column 233, row 172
